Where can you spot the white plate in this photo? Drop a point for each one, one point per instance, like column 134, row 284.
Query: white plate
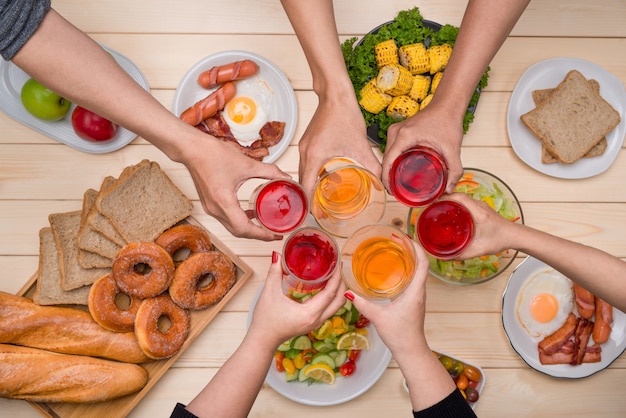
column 526, row 346
column 548, row 74
column 285, row 108
column 370, row 367
column 12, row 78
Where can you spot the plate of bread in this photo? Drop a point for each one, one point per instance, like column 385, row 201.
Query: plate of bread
column 567, row 118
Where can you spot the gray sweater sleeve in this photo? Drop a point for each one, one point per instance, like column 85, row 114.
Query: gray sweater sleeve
column 19, row 19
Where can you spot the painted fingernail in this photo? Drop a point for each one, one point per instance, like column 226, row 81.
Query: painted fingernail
column 349, row 295
column 274, row 257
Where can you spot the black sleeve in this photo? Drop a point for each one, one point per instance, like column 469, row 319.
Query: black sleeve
column 19, row 19
column 453, row 406
column 180, row 412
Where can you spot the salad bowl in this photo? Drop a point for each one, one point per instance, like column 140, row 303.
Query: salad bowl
column 479, row 185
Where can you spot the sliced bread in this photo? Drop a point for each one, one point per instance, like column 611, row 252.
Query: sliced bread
column 48, row 290
column 100, row 223
column 144, row 203
column 90, row 241
column 572, row 119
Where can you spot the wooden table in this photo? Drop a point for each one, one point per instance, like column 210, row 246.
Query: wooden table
column 165, row 38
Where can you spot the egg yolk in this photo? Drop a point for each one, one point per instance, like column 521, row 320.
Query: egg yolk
column 544, row 307
column 241, row 110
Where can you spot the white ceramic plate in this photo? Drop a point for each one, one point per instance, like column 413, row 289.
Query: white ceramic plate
column 370, row 367
column 526, row 346
column 285, row 108
column 12, row 78
column 548, row 74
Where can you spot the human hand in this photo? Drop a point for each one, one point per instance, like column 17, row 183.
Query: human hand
column 218, row 170
column 277, row 317
column 336, row 130
column 400, row 323
column 432, row 127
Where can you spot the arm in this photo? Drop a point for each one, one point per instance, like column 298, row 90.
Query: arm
column 67, row 61
column 276, row 318
column 485, row 26
column 400, row 324
column 337, row 127
column 597, row 271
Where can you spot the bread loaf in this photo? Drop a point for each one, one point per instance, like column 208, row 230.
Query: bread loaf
column 41, row 376
column 63, row 330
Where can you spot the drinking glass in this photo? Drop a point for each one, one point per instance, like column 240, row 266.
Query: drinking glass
column 418, row 176
column 346, row 197
column 310, row 257
column 280, row 205
column 445, row 229
column 378, row 261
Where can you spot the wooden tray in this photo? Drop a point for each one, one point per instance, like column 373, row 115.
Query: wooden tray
column 121, row 407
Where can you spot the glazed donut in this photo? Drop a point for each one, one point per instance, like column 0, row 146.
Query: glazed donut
column 104, row 308
column 143, row 269
column 188, row 289
column 185, row 236
column 155, row 339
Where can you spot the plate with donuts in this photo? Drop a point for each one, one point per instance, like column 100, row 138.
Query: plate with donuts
column 131, row 322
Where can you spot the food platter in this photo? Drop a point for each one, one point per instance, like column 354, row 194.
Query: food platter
column 120, row 408
column 284, row 107
column 371, row 366
column 526, row 346
column 12, row 78
column 548, row 74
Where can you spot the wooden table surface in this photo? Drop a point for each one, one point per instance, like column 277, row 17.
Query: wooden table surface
column 165, row 38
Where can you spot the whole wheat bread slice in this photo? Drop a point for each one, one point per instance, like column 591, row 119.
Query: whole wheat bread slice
column 546, row 156
column 48, row 290
column 100, row 223
column 94, row 249
column 572, row 119
column 144, row 203
column 65, row 230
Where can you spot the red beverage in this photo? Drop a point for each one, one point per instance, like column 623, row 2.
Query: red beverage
column 281, row 206
column 418, row 177
column 310, row 257
column 445, row 229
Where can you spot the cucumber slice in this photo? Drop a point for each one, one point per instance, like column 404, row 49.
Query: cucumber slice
column 284, row 346
column 323, row 358
column 340, row 357
column 301, row 342
column 301, row 376
column 289, row 377
column 323, row 346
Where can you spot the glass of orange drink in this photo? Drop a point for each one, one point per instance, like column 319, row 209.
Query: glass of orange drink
column 347, row 196
column 378, row 261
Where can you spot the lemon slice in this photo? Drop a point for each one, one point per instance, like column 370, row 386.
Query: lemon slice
column 353, row 341
column 320, row 372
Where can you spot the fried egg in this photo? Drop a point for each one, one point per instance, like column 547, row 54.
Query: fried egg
column 249, row 110
column 544, row 303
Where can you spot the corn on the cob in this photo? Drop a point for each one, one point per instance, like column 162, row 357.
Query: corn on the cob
column 386, row 53
column 435, row 82
column 372, row 99
column 415, row 58
column 438, row 56
column 426, row 101
column 420, row 88
column 402, row 107
column 394, row 79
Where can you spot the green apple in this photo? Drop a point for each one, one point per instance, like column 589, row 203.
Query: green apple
column 42, row 102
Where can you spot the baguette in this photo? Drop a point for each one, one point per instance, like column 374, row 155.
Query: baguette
column 41, row 376
column 63, row 330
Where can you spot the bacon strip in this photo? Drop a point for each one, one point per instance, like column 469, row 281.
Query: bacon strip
column 553, row 342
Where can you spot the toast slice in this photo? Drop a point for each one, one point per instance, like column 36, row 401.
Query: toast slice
column 91, row 243
column 48, row 290
column 572, row 119
column 100, row 223
column 144, row 189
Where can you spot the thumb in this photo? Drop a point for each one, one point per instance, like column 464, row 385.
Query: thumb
column 275, row 272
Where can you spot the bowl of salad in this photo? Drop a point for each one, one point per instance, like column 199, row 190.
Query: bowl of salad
column 479, row 185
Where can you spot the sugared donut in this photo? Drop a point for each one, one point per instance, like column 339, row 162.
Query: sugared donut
column 202, row 280
column 108, row 309
column 184, row 236
column 161, row 327
column 143, row 269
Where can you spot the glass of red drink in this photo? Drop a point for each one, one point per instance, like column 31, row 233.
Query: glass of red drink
column 445, row 229
column 310, row 257
column 280, row 205
column 418, row 176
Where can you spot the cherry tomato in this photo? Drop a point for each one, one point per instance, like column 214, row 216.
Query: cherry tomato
column 347, row 368
column 353, row 355
column 279, row 356
column 307, row 354
column 473, row 384
column 471, row 394
column 462, row 382
column 472, row 373
column 362, row 322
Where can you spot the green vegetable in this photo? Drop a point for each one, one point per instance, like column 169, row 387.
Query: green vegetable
column 406, row 28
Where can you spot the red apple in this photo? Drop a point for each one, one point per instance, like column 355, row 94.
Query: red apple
column 91, row 126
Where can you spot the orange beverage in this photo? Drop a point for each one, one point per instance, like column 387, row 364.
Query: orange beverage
column 343, row 193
